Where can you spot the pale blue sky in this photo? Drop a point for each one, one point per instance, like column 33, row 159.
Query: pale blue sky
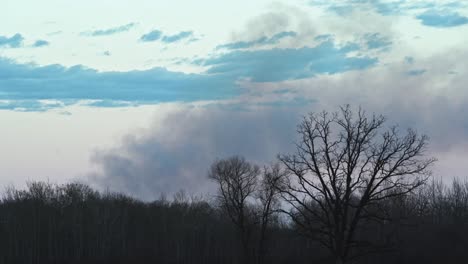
column 85, row 85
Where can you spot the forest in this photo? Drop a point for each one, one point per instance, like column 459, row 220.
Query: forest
column 72, row 223
column 355, row 191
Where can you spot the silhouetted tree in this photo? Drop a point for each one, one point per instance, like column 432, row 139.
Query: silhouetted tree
column 237, row 179
column 345, row 164
column 71, row 223
column 268, row 195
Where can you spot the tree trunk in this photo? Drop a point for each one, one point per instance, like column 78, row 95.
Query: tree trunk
column 261, row 245
column 339, row 260
column 245, row 248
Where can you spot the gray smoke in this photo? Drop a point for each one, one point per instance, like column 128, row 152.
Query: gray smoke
column 177, row 152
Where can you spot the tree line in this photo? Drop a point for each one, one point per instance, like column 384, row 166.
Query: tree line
column 354, row 191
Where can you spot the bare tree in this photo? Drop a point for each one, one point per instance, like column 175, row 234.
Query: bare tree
column 236, row 179
column 345, row 163
column 268, row 195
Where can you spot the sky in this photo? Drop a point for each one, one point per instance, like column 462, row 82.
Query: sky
column 142, row 96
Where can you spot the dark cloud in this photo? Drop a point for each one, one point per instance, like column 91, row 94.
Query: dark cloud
column 176, row 153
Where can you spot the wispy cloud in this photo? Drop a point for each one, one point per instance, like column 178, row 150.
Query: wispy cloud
column 14, row 41
column 177, row 37
column 157, row 35
column 151, row 36
column 377, row 41
column 385, row 7
column 416, row 72
column 258, row 42
column 109, row 31
column 58, row 32
column 40, row 43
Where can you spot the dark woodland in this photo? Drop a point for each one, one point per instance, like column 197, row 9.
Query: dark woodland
column 354, row 191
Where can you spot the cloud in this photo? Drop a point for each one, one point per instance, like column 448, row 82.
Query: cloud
column 176, row 152
column 176, row 37
column 386, row 7
column 157, row 35
column 433, row 103
column 109, row 103
column 14, row 41
column 416, row 72
column 377, row 41
column 40, row 43
column 442, row 19
column 344, row 8
column 282, row 27
column 296, row 28
column 54, row 33
column 409, row 59
column 281, row 64
column 26, row 82
column 33, row 105
column 109, row 31
column 258, row 42
column 151, row 36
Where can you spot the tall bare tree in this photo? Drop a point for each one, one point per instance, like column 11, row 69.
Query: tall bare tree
column 268, row 195
column 237, row 181
column 345, row 163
